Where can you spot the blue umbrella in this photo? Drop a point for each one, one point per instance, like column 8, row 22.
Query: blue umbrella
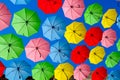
column 118, row 21
column 18, row 70
column 20, row 2
column 53, row 28
column 114, row 75
column 60, row 52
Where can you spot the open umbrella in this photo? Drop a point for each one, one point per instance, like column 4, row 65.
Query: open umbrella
column 109, row 18
column 2, row 69
column 11, row 46
column 80, row 54
column 18, row 70
column 81, row 72
column 114, row 75
column 27, row 24
column 5, row 16
column 93, row 36
column 75, row 32
column 60, row 51
column 118, row 21
column 96, row 55
column 64, row 71
column 20, row 2
column 43, row 71
column 37, row 49
column 118, row 45
column 53, row 25
column 73, row 9
column 93, row 13
column 109, row 37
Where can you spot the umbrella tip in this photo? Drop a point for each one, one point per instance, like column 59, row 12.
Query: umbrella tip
column 36, row 48
column 42, row 70
column 9, row 45
column 53, row 27
column 91, row 12
column 18, row 68
column 63, row 70
column 71, row 6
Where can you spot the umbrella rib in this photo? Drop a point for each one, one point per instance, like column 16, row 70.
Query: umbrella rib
column 31, row 16
column 11, row 71
column 3, row 21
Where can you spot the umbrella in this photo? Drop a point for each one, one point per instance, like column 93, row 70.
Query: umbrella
column 108, row 38
column 5, row 16
column 109, row 18
column 2, row 69
column 114, row 75
column 29, row 78
column 93, row 36
column 3, row 77
column 49, row 6
column 81, row 72
column 53, row 25
column 20, row 2
column 37, row 49
column 11, row 46
column 118, row 21
column 64, row 71
column 18, row 70
column 43, row 71
column 118, row 45
column 80, row 54
column 112, row 59
column 60, row 51
column 27, row 24
column 93, row 14
column 73, row 9
column 75, row 32
column 96, row 55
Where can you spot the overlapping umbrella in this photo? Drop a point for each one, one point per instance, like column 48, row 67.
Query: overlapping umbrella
column 20, row 2
column 118, row 45
column 114, row 75
column 118, row 21
column 2, row 69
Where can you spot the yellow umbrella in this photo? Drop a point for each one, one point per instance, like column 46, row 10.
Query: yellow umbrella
column 96, row 55
column 109, row 18
column 75, row 32
column 64, row 71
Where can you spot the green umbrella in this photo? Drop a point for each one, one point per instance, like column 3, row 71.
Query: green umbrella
column 43, row 71
column 112, row 59
column 118, row 45
column 93, row 13
column 26, row 22
column 11, row 46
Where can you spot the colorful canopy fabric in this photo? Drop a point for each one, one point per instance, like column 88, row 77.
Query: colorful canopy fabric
column 118, row 45
column 118, row 21
column 20, row 2
column 114, row 75
column 2, row 69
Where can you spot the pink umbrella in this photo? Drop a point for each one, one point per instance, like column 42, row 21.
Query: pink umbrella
column 73, row 9
column 37, row 49
column 5, row 16
column 108, row 38
column 82, row 72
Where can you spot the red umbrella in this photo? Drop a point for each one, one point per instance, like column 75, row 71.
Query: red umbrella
column 99, row 74
column 49, row 6
column 93, row 36
column 80, row 54
column 2, row 68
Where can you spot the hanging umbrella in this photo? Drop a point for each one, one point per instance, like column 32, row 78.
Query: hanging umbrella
column 60, row 51
column 2, row 69
column 18, row 70
column 43, row 71
column 11, row 46
column 96, row 55
column 75, row 32
column 93, row 36
column 80, row 54
column 27, row 24
column 112, row 59
column 20, row 2
column 109, row 18
column 64, row 71
column 118, row 45
column 37, row 49
column 5, row 16
column 53, row 25
column 118, row 21
column 73, row 9
column 81, row 72
column 3, row 77
column 109, row 37
column 114, row 75
column 93, row 14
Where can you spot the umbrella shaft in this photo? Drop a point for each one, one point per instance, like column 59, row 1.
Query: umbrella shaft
column 66, row 75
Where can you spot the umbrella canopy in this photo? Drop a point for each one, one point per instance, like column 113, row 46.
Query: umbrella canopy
column 93, row 14
column 75, row 32
column 109, row 18
column 2, row 69
column 118, row 45
column 43, row 71
column 53, row 25
column 18, row 70
column 118, row 21
column 60, row 51
column 93, row 36
column 64, row 71
column 5, row 16
column 81, row 72
column 27, row 24
column 73, row 9
column 11, row 46
column 114, row 75
column 112, row 59
column 80, row 54
column 109, row 37
column 96, row 55
column 37, row 49
column 20, row 2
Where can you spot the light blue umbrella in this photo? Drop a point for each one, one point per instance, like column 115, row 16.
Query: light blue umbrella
column 60, row 52
column 20, row 2
column 53, row 28
column 18, row 70
column 118, row 21
column 114, row 75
